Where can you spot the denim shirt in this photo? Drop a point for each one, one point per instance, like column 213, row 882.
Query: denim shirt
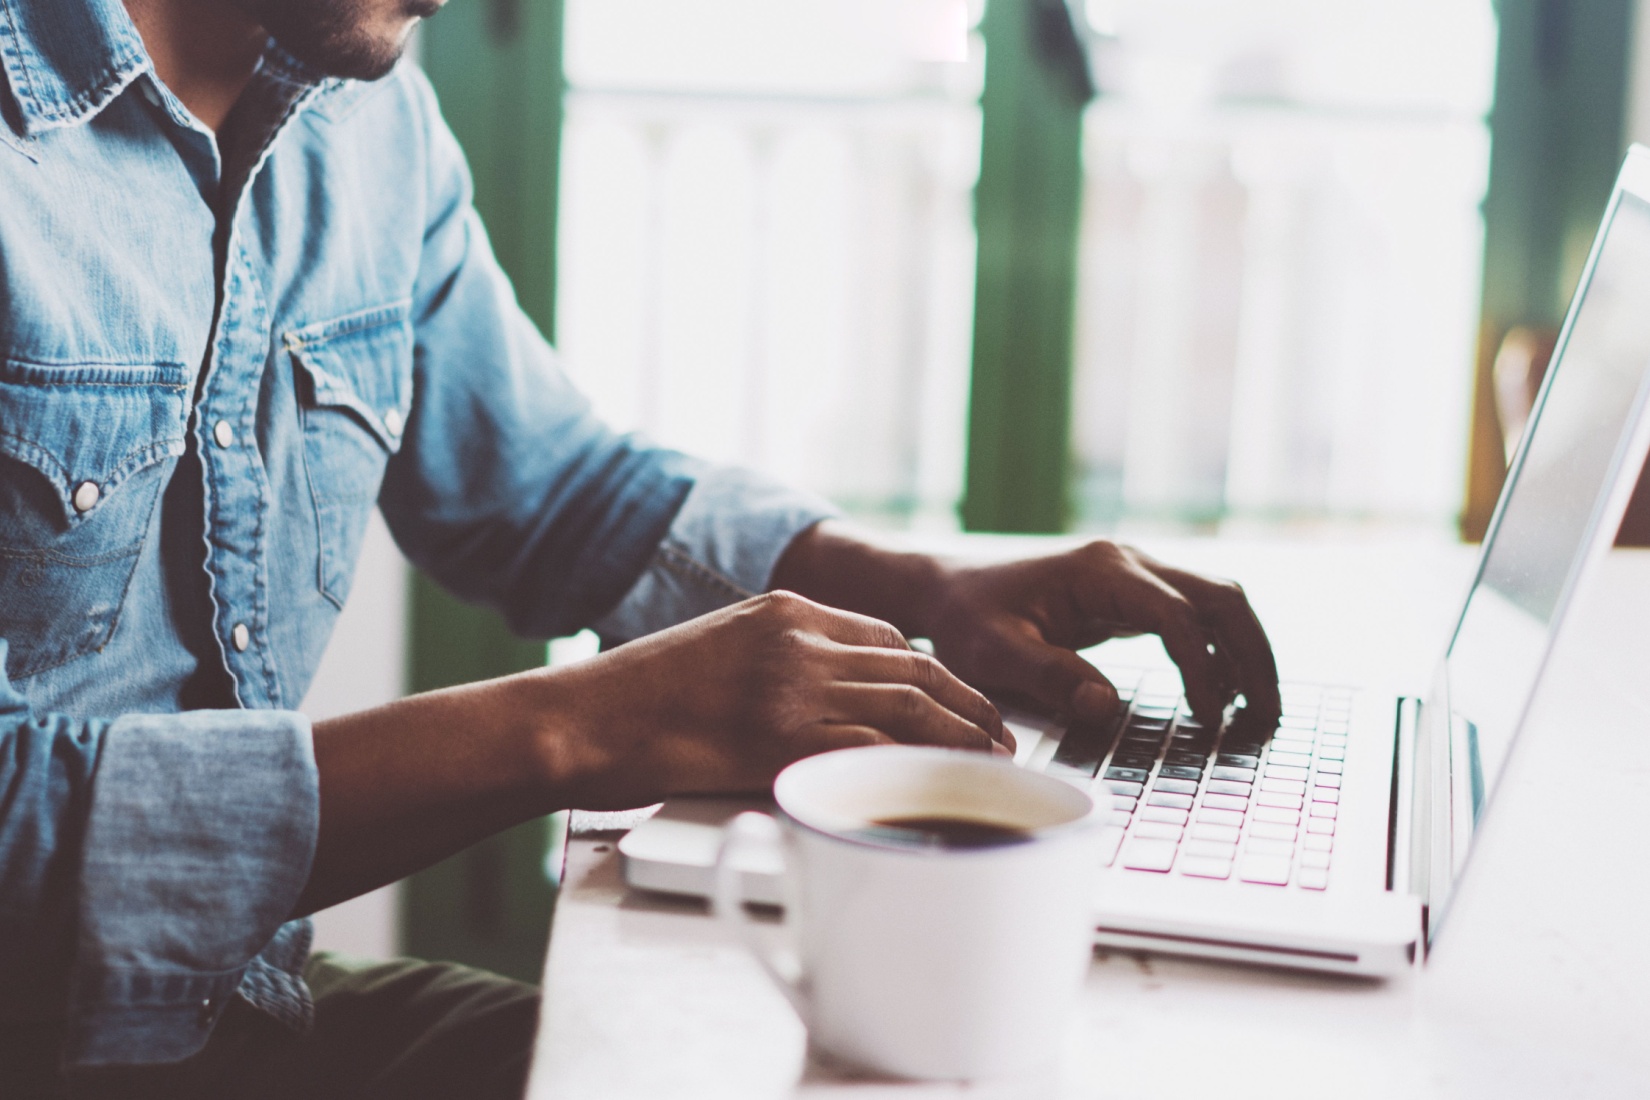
column 214, row 363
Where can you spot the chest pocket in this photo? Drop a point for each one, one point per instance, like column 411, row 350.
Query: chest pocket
column 354, row 378
column 84, row 452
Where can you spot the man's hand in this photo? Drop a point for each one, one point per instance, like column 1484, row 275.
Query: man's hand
column 1013, row 627
column 724, row 702
column 721, row 703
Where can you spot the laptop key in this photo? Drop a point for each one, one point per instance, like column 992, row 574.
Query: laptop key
column 1316, row 842
column 1179, row 771
column 1122, row 787
column 1226, row 802
column 1216, row 848
column 1173, row 801
column 1190, row 759
column 1319, row 860
column 1279, row 799
column 1205, row 867
column 1147, row 854
column 1284, row 786
column 1237, row 760
column 1120, row 818
column 1212, row 816
column 1208, row 830
column 1083, row 747
column 1128, row 775
column 1142, row 760
column 1276, row 814
column 1323, row 780
column 1329, row 767
column 1321, row 825
column 1229, row 786
column 1245, row 775
column 1312, row 878
column 1328, row 752
column 1166, row 814
column 1325, row 794
column 1271, row 870
column 1288, row 759
column 1272, row 830
column 1325, row 809
column 1156, row 830
column 1265, row 847
column 1282, row 771
column 1175, row 786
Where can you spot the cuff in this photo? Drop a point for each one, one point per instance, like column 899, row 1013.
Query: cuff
column 721, row 548
column 199, row 839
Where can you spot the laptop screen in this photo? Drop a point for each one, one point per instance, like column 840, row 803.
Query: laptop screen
column 1542, row 528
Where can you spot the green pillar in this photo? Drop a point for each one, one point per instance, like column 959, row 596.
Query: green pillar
column 1556, row 143
column 496, row 66
column 1026, row 212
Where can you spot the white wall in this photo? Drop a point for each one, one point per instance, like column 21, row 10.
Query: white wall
column 365, row 665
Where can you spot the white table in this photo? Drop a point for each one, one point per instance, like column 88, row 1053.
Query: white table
column 1539, row 986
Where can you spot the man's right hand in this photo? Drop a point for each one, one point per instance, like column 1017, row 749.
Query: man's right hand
column 721, row 703
column 725, row 701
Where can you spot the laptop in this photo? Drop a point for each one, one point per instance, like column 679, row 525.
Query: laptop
column 1332, row 839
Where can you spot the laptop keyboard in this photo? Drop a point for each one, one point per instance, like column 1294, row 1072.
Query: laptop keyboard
column 1241, row 803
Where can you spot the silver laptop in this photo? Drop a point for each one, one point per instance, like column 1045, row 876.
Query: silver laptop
column 1332, row 840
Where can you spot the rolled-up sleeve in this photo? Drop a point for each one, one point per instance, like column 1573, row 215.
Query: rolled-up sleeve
column 722, row 547
column 144, row 863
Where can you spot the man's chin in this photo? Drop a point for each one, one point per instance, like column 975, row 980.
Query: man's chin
column 341, row 38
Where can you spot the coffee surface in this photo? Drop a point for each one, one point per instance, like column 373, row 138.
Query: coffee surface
column 945, row 831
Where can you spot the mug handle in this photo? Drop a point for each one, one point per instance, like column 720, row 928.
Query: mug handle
column 747, row 834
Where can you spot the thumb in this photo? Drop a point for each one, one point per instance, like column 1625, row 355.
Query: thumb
column 1057, row 678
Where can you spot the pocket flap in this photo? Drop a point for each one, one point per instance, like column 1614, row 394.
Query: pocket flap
column 95, row 424
column 361, row 363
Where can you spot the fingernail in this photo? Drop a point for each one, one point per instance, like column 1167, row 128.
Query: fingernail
column 1000, row 749
column 1092, row 700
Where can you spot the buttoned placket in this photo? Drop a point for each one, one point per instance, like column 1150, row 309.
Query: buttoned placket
column 234, row 482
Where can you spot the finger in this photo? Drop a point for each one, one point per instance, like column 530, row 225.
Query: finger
column 907, row 714
column 1225, row 608
column 845, row 735
column 1145, row 599
column 1055, row 677
column 885, row 666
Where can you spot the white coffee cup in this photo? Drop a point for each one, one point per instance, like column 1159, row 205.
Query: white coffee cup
column 918, row 959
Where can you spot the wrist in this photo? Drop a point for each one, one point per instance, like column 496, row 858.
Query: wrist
column 834, row 565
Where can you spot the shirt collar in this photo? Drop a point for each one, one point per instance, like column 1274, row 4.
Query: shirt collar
column 66, row 59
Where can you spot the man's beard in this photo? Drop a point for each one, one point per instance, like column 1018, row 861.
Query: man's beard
column 336, row 36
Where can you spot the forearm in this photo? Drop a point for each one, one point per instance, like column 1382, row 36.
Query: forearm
column 407, row 784
column 833, row 565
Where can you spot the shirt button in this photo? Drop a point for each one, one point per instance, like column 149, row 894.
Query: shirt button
column 223, row 434
column 392, row 422
column 241, row 636
column 86, row 496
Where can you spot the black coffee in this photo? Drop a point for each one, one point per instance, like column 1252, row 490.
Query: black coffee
column 943, row 831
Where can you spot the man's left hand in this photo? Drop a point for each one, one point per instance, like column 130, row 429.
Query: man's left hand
column 1014, row 627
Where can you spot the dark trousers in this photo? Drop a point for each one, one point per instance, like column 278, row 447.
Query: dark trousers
column 401, row 1030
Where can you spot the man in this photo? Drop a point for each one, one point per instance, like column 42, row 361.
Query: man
column 245, row 299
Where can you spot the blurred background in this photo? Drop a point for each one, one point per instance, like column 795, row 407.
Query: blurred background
column 1239, row 268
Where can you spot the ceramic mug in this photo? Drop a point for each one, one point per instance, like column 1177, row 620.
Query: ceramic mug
column 939, row 907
